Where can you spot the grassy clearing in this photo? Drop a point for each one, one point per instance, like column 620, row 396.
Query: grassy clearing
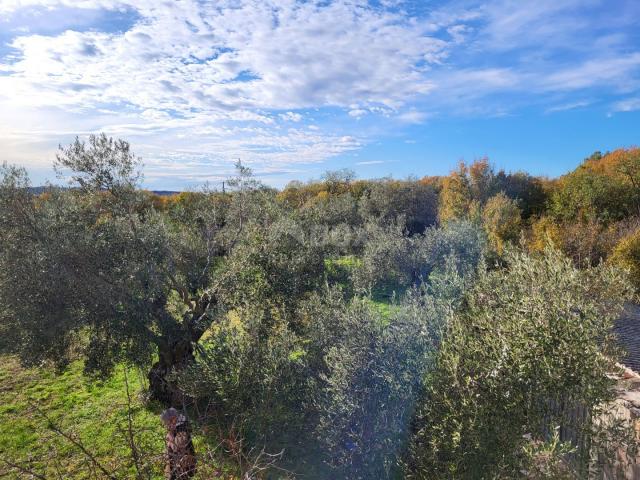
column 93, row 412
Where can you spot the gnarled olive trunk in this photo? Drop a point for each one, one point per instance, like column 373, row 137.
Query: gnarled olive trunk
column 175, row 347
column 173, row 357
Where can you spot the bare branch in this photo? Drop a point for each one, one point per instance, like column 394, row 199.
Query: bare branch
column 75, row 442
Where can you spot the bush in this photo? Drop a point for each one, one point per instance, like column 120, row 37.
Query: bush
column 251, row 371
column 386, row 260
column 531, row 336
column 275, row 264
column 502, row 220
column 389, row 200
column 393, row 261
column 626, row 255
column 460, row 243
column 586, row 242
column 372, row 375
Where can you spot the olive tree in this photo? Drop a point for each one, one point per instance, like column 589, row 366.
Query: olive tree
column 95, row 270
column 529, row 343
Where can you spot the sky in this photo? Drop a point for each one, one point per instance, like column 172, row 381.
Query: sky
column 293, row 88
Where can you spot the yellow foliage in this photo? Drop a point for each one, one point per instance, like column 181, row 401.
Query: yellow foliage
column 544, row 232
column 455, row 196
column 626, row 255
column 502, row 220
column 623, row 162
column 323, row 195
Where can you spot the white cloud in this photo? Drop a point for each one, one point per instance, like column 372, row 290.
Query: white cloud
column 568, row 106
column 223, row 79
column 371, row 162
column 514, row 23
column 186, row 67
column 620, row 71
column 225, row 56
column 627, row 105
column 9, row 6
column 358, row 112
column 412, row 116
column 291, row 117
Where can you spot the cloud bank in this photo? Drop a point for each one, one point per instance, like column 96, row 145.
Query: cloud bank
column 286, row 83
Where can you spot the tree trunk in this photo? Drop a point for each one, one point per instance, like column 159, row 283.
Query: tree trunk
column 173, row 357
column 180, row 455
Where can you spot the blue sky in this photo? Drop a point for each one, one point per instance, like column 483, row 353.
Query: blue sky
column 293, row 88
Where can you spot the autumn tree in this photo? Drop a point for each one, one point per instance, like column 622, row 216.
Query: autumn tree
column 530, row 192
column 502, row 220
column 603, row 187
column 456, row 196
column 626, row 255
column 467, row 189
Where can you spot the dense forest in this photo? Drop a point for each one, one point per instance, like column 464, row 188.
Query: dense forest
column 425, row 328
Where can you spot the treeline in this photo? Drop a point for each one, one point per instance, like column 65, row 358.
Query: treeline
column 591, row 214
column 431, row 328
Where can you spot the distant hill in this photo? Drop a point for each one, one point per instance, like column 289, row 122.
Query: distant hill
column 43, row 188
column 164, row 192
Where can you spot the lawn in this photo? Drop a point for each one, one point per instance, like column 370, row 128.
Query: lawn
column 32, row 400
column 96, row 415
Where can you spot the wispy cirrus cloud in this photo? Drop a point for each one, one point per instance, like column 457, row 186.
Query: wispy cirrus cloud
column 627, row 105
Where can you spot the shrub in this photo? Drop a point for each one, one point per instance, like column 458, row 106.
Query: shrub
column 459, row 243
column 372, row 376
column 530, row 336
column 502, row 220
column 392, row 260
column 386, row 259
column 626, row 255
column 251, row 371
column 387, row 200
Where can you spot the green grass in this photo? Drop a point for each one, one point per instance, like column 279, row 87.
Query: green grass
column 93, row 412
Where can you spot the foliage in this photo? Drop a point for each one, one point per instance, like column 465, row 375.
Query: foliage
column 274, row 265
column 105, row 164
column 353, row 324
column 251, row 369
column 459, row 244
column 543, row 233
column 531, row 336
column 456, row 199
column 502, row 221
column 466, row 190
column 338, row 181
column 349, row 378
column 367, row 394
column 386, row 259
column 393, row 260
column 367, row 367
column 530, row 192
column 626, row 255
column 586, row 242
column 603, row 187
column 67, row 255
column 96, row 270
column 548, row 459
column 390, row 200
column 340, row 271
